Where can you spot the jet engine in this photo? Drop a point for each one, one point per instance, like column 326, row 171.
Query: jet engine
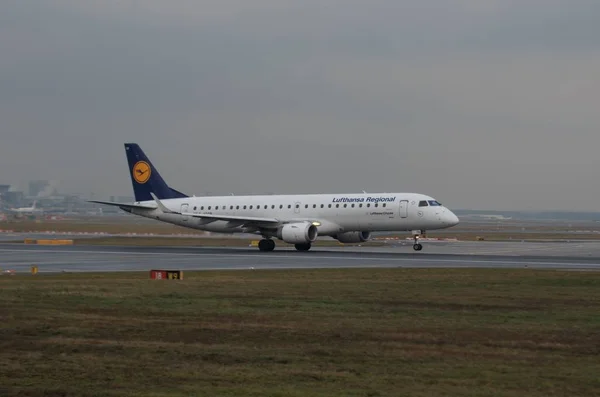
column 298, row 233
column 353, row 237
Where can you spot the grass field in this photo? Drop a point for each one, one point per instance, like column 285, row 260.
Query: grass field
column 361, row 332
column 98, row 225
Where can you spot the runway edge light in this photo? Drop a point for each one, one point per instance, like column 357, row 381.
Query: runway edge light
column 34, row 270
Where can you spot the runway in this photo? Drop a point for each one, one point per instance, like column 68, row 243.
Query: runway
column 80, row 258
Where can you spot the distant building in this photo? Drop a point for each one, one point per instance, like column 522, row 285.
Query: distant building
column 42, row 188
column 37, row 187
column 14, row 199
column 3, row 190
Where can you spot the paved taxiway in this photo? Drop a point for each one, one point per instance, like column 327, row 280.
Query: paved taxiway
column 79, row 258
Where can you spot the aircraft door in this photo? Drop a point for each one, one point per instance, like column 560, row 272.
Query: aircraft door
column 404, row 209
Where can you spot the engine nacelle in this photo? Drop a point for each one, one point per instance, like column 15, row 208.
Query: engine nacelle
column 353, row 237
column 298, row 233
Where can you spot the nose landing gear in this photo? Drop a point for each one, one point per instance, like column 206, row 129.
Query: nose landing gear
column 418, row 246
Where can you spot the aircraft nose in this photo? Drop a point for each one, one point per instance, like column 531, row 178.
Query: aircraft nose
column 450, row 218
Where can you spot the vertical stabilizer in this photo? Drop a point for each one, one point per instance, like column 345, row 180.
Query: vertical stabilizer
column 145, row 177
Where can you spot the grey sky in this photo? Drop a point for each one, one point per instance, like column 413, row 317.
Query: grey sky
column 482, row 104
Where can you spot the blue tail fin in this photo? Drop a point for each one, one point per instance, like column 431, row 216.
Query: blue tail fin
column 145, row 177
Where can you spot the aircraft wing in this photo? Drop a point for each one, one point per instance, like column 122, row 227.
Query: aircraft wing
column 245, row 219
column 124, row 205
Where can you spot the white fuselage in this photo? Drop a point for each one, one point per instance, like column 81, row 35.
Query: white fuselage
column 26, row 210
column 334, row 213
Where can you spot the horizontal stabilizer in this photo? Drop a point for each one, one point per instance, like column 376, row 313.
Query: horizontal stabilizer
column 124, row 205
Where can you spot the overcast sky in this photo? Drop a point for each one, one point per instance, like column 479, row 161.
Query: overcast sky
column 483, row 104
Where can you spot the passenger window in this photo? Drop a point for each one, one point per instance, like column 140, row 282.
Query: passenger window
column 337, row 206
column 383, row 205
column 280, row 206
column 194, row 208
column 368, row 205
column 360, row 205
column 244, row 207
column 237, row 207
column 273, row 207
column 322, row 205
column 217, row 207
column 423, row 203
column 314, row 206
column 289, row 206
column 209, row 207
column 376, row 205
column 352, row 205
column 306, row 206
column 202, row 208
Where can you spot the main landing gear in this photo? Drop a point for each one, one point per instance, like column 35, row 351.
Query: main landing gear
column 302, row 247
column 267, row 244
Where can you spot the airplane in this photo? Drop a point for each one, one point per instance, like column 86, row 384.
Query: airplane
column 26, row 210
column 294, row 219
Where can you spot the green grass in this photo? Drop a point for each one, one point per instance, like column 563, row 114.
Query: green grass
column 367, row 332
column 131, row 225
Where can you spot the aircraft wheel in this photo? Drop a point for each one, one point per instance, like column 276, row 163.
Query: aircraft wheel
column 417, row 247
column 302, row 247
column 266, row 245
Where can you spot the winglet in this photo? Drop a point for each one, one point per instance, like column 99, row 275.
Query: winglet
column 161, row 206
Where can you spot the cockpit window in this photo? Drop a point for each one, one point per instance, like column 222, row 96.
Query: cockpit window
column 434, row 203
column 423, row 203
